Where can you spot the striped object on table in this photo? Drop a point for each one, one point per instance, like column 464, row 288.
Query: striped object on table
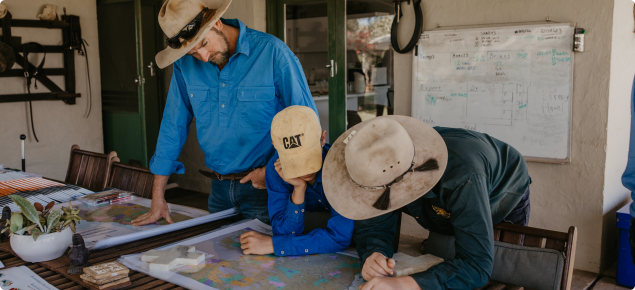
column 29, row 184
column 5, row 190
column 58, row 194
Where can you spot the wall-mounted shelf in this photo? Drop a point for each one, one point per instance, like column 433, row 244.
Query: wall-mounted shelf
column 69, row 95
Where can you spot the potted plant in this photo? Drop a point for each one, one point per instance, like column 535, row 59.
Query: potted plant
column 38, row 233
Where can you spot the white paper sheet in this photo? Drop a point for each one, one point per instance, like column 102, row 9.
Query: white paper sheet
column 22, row 278
column 109, row 225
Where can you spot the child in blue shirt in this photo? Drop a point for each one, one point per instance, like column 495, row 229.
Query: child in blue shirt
column 294, row 184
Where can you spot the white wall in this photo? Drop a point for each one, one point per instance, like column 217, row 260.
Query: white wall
column 58, row 126
column 619, row 125
column 561, row 195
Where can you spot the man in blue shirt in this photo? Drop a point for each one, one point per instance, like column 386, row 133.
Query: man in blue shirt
column 628, row 179
column 294, row 182
column 233, row 80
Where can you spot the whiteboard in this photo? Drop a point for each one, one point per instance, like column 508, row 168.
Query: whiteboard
column 513, row 83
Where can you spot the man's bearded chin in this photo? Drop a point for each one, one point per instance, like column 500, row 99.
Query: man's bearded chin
column 221, row 57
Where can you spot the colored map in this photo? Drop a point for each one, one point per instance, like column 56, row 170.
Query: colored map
column 122, row 213
column 230, row 269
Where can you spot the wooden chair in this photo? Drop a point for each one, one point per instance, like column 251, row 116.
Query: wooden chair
column 131, row 178
column 538, row 238
column 89, row 169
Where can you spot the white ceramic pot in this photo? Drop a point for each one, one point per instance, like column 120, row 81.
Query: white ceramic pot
column 46, row 248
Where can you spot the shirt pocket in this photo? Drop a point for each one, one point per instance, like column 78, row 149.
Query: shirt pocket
column 199, row 98
column 256, row 106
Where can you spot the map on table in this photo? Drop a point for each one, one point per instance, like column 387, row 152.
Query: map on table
column 109, row 225
column 226, row 267
column 123, row 214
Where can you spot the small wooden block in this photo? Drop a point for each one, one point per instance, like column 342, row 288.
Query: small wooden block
column 118, row 284
column 415, row 265
column 105, row 270
column 165, row 260
column 88, row 278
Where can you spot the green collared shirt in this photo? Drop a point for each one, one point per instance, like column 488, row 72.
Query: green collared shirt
column 484, row 180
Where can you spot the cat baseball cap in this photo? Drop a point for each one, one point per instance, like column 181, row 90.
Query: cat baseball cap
column 296, row 135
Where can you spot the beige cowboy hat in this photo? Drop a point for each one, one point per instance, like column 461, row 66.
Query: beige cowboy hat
column 381, row 165
column 176, row 14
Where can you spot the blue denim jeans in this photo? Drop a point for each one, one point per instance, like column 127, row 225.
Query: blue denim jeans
column 250, row 202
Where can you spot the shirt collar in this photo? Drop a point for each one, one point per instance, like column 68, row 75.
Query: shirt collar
column 242, row 45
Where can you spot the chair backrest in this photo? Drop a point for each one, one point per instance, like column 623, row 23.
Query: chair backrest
column 539, row 238
column 89, row 169
column 131, row 178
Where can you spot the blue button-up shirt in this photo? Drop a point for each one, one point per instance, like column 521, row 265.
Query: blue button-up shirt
column 233, row 107
column 287, row 218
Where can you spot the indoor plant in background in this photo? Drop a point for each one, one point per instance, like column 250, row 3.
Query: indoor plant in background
column 40, row 233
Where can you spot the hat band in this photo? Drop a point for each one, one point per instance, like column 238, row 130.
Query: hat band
column 383, row 202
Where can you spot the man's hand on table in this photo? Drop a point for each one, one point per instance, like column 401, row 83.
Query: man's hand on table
column 256, row 243
column 377, row 265
column 383, row 283
column 257, row 178
column 158, row 210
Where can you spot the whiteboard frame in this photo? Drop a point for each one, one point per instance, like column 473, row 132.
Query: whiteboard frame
column 505, row 26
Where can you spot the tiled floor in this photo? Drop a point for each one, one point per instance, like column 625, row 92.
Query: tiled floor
column 409, row 245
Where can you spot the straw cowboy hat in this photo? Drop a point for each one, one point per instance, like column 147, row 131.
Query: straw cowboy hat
column 176, row 16
column 7, row 57
column 381, row 165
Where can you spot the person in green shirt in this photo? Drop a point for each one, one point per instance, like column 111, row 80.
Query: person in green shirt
column 452, row 181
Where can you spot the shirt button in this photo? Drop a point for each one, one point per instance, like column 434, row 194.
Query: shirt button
column 223, row 85
column 416, row 217
column 302, row 210
column 296, row 211
column 282, row 252
column 293, row 232
column 223, row 106
column 319, row 200
column 192, row 95
column 306, row 250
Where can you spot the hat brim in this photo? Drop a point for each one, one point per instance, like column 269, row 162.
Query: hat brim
column 170, row 55
column 356, row 203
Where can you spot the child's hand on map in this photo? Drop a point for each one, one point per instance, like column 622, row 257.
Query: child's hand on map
column 388, row 283
column 256, row 243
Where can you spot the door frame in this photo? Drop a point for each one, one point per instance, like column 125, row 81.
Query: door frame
column 336, row 14
column 141, row 71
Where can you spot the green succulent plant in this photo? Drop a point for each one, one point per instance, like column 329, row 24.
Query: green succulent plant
column 36, row 220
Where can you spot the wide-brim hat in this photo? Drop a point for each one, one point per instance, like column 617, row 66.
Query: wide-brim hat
column 382, row 151
column 7, row 57
column 175, row 14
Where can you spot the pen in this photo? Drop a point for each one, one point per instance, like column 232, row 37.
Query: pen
column 121, row 199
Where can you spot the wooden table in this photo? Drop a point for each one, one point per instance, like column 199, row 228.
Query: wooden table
column 54, row 271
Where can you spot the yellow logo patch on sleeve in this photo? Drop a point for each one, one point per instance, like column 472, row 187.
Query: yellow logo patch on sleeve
column 441, row 212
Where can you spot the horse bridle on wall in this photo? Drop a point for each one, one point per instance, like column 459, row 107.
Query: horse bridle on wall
column 395, row 25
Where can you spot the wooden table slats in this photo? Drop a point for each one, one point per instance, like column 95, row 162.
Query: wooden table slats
column 54, row 271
